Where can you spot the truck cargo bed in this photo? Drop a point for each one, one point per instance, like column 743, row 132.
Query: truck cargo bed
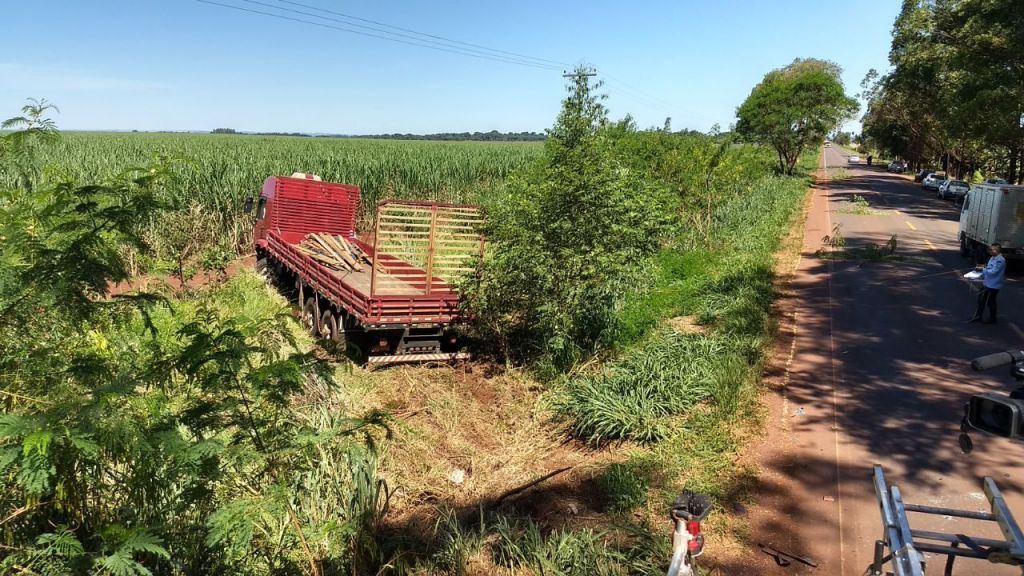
column 403, row 306
column 405, row 302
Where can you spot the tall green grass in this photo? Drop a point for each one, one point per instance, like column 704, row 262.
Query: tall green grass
column 726, row 286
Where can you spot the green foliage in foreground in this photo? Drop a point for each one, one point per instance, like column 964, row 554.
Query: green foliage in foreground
column 144, row 435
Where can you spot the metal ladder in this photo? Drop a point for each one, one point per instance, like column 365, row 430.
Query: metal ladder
column 902, row 547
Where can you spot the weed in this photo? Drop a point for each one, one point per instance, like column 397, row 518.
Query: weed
column 625, row 485
column 587, row 552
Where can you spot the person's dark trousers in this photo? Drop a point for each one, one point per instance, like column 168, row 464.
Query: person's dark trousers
column 987, row 297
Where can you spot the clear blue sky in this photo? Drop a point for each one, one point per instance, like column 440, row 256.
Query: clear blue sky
column 184, row 65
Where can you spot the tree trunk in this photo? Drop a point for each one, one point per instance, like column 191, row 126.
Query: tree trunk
column 1011, row 175
column 1020, row 172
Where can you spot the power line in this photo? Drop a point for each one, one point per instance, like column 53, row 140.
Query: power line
column 635, row 93
column 639, row 98
column 390, row 39
column 649, row 96
column 397, row 34
column 430, row 41
column 426, row 34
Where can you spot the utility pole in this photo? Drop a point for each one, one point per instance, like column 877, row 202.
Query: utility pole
column 581, row 79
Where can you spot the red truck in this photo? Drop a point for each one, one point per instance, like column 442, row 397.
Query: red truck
column 400, row 308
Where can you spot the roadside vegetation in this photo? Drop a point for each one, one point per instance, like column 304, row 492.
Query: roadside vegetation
column 624, row 309
column 954, row 98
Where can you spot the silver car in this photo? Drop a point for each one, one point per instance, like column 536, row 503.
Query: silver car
column 955, row 189
column 932, row 181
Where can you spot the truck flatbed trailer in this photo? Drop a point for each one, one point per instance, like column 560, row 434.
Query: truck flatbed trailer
column 402, row 308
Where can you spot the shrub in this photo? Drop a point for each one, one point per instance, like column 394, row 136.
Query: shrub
column 567, row 242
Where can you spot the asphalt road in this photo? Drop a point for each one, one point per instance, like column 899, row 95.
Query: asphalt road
column 878, row 372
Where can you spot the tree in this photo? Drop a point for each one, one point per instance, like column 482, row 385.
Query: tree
column 30, row 131
column 567, row 240
column 984, row 49
column 795, row 107
column 956, row 90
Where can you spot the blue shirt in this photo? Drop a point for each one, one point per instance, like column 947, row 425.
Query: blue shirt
column 995, row 272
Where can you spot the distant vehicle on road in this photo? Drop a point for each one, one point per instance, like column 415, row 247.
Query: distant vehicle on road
column 954, row 189
column 922, row 174
column 996, row 181
column 853, row 159
column 933, row 181
column 897, row 166
column 991, row 214
column 828, row 144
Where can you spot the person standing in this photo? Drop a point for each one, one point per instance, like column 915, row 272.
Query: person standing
column 993, row 274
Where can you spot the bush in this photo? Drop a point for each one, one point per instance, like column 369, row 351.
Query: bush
column 567, row 242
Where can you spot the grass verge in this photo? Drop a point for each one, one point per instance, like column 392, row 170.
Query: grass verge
column 687, row 399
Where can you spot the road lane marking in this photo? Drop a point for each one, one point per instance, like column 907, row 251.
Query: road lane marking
column 1016, row 329
column 930, row 245
column 835, row 399
column 909, row 225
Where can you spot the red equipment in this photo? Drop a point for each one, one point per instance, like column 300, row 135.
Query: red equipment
column 401, row 308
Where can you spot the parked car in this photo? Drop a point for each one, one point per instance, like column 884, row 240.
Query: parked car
column 897, row 166
column 922, row 174
column 955, row 189
column 932, row 181
column 996, row 181
column 854, row 159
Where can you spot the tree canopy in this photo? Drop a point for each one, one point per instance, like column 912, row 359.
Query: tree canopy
column 956, row 90
column 795, row 107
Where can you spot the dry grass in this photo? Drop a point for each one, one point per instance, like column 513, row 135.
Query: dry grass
column 686, row 325
column 462, row 439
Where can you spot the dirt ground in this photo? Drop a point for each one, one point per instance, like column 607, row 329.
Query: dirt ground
column 476, row 437
column 202, row 278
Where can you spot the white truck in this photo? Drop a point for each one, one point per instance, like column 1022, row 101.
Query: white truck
column 993, row 213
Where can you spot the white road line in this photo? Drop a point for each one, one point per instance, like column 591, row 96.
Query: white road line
column 835, row 399
column 1020, row 334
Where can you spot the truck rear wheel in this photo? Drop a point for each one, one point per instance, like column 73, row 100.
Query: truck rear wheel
column 309, row 318
column 332, row 329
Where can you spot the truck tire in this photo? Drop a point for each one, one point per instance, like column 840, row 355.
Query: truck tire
column 266, row 271
column 309, row 318
column 332, row 329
